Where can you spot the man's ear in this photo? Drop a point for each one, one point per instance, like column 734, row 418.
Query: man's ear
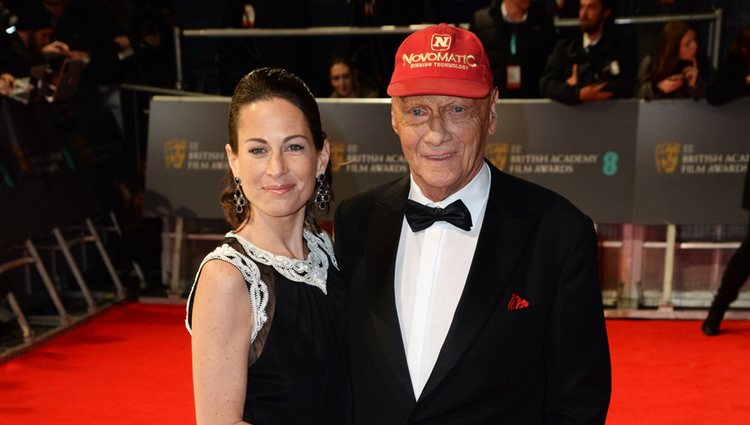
column 493, row 111
column 393, row 114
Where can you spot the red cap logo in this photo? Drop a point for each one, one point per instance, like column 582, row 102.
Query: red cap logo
column 441, row 60
column 440, row 42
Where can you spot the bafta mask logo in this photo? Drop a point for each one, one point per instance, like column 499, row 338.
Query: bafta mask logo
column 174, row 153
column 667, row 157
column 338, row 156
column 497, row 153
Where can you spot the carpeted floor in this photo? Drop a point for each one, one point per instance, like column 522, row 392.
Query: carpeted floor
column 132, row 365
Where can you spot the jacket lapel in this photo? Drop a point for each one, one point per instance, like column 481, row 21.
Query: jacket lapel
column 384, row 231
column 505, row 230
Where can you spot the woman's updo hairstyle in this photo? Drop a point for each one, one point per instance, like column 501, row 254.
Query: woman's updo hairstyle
column 267, row 84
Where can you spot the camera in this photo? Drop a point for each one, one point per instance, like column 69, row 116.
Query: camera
column 7, row 20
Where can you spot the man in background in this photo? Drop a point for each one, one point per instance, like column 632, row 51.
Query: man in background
column 592, row 65
column 518, row 36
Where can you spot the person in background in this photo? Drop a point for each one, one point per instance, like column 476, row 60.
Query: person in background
column 592, row 65
column 518, row 37
column 7, row 21
column 19, row 50
column 733, row 78
column 6, row 83
column 474, row 296
column 734, row 277
column 267, row 309
column 344, row 79
column 676, row 70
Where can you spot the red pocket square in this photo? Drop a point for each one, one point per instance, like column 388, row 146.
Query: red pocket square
column 517, row 303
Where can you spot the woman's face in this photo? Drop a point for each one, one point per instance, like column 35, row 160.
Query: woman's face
column 276, row 159
column 342, row 80
column 688, row 46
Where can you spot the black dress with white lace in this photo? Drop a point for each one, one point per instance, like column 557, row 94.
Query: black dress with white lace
column 298, row 369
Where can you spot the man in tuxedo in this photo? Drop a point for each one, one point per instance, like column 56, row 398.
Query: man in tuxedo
column 474, row 295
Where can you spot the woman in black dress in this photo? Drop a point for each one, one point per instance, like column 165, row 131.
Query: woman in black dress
column 266, row 311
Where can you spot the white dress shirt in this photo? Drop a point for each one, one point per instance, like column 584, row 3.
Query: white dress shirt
column 431, row 270
column 589, row 42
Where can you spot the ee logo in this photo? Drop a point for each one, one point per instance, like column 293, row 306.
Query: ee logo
column 610, row 163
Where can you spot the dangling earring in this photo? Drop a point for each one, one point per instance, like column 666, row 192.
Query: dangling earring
column 239, row 198
column 323, row 193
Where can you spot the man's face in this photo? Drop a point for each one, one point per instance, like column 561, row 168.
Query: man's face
column 591, row 16
column 443, row 139
column 55, row 7
column 521, row 4
column 341, row 79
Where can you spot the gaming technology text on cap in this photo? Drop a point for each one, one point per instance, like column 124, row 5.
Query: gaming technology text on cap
column 441, row 60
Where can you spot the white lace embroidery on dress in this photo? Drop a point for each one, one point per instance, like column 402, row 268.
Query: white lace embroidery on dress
column 257, row 289
column 312, row 271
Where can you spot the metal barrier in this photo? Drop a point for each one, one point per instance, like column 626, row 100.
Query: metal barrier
column 715, row 19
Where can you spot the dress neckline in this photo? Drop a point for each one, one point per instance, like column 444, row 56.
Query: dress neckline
column 313, row 270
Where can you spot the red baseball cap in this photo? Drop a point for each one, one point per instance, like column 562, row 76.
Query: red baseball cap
column 441, row 60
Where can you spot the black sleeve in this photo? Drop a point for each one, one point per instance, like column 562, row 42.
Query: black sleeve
column 622, row 85
column 728, row 83
column 578, row 358
column 552, row 84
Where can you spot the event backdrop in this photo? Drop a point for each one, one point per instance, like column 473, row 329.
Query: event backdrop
column 601, row 156
column 692, row 160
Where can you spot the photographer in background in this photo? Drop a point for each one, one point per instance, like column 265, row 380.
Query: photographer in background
column 593, row 65
column 21, row 48
column 7, row 27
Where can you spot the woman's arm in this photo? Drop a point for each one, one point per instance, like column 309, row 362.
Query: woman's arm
column 221, row 328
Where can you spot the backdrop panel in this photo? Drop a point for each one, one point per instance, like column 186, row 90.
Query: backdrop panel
column 186, row 159
column 579, row 152
column 691, row 160
column 586, row 152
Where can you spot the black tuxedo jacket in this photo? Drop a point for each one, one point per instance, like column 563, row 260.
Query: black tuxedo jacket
column 502, row 362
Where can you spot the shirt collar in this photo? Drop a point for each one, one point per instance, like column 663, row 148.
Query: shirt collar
column 474, row 195
column 504, row 11
column 588, row 42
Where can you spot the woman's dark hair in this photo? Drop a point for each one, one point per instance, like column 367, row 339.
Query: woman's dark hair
column 667, row 56
column 267, row 84
column 341, row 60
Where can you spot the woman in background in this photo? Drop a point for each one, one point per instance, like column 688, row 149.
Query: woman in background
column 266, row 311
column 345, row 81
column 677, row 70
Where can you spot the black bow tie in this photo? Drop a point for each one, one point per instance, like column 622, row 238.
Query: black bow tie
column 421, row 216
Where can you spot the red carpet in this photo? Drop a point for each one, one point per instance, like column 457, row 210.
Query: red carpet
column 132, row 365
column 668, row 372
